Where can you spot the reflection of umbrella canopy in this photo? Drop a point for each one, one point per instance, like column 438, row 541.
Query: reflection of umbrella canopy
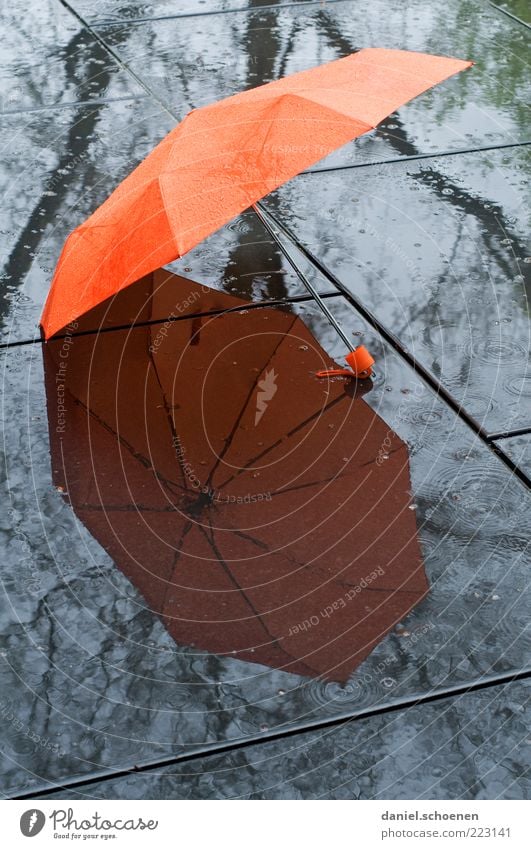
column 261, row 512
column 221, row 159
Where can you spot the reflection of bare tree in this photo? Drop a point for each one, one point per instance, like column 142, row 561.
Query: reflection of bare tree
column 399, row 140
column 87, row 63
column 267, row 49
column 77, row 142
column 265, row 55
column 264, row 50
column 492, row 222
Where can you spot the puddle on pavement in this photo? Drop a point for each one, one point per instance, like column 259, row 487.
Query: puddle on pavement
column 48, row 59
column 90, row 669
column 262, row 512
column 438, row 251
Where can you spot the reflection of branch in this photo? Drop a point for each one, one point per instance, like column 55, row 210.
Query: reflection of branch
column 436, row 181
column 285, row 55
column 78, row 140
column 244, row 406
column 334, row 35
column 262, row 47
column 415, row 314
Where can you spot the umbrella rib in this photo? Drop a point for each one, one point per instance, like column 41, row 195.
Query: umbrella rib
column 244, row 408
column 176, row 557
column 274, row 640
column 309, row 484
column 127, row 445
column 263, row 547
column 125, row 508
column 290, row 433
column 169, row 417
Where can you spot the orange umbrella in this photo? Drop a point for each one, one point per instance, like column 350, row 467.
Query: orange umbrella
column 220, row 160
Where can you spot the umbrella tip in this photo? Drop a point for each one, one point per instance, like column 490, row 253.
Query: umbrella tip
column 360, row 362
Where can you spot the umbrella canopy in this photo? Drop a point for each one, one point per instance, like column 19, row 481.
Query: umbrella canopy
column 262, row 513
column 220, row 160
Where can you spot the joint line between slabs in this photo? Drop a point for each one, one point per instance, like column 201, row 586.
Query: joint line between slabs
column 269, row 737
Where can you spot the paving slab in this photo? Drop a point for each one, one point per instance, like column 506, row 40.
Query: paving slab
column 518, row 448
column 48, row 58
column 108, row 11
column 92, row 675
column 518, row 8
column 438, row 251
column 475, row 746
column 192, row 61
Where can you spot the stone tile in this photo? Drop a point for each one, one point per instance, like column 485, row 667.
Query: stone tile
column 95, row 680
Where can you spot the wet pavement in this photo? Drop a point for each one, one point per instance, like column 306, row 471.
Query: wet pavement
column 278, row 627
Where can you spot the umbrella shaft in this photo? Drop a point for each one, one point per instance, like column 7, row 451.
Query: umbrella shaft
column 302, row 277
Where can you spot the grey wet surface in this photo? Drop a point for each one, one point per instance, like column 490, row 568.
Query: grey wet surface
column 91, row 679
column 475, row 746
column 438, row 251
column 484, row 105
column 140, row 694
column 48, row 58
column 518, row 448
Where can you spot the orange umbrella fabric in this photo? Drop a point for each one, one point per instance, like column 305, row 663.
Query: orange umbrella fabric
column 220, row 160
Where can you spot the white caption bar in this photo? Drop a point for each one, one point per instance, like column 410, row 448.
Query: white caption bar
column 263, row 825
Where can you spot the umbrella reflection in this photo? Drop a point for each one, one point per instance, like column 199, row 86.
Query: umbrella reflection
column 261, row 512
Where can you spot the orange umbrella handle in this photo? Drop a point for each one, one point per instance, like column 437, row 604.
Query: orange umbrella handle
column 360, row 362
column 335, row 372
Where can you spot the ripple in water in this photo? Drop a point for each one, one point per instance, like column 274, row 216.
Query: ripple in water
column 519, row 384
column 499, row 352
column 239, row 226
column 335, row 698
column 472, row 498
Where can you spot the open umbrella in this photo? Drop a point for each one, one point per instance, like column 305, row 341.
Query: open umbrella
column 220, row 160
column 261, row 512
